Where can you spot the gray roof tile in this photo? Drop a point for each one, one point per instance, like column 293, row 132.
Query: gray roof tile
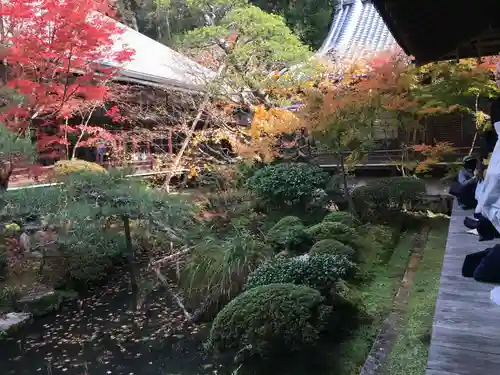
column 158, row 65
column 357, row 31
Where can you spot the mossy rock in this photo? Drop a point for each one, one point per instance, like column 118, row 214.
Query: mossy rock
column 47, row 303
column 63, row 168
column 331, row 246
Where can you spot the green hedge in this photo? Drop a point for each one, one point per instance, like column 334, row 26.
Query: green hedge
column 382, row 199
column 268, row 318
column 338, row 231
column 331, row 246
column 342, row 217
column 288, row 233
column 288, row 183
column 318, row 271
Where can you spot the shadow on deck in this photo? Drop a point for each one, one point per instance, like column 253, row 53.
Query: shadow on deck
column 466, row 329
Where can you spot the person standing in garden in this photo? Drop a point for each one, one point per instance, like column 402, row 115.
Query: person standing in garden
column 101, row 151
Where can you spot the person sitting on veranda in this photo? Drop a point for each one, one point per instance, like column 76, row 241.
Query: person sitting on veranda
column 487, row 212
column 465, row 187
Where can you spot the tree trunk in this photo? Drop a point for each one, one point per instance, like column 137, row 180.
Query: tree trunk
column 6, row 169
column 131, row 262
column 189, row 136
column 477, row 126
column 346, row 188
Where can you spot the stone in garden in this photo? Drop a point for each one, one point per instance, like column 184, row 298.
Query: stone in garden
column 13, row 321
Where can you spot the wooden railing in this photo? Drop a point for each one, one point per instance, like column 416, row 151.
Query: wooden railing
column 374, row 159
column 380, row 158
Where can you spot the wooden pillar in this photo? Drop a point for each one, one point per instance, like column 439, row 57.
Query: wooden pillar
column 170, row 148
column 148, row 151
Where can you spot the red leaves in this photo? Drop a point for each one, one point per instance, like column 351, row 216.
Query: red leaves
column 114, row 114
column 56, row 47
column 432, row 154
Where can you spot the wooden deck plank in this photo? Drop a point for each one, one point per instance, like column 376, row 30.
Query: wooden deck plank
column 466, row 329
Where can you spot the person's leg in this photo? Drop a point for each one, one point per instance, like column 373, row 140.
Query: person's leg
column 467, row 197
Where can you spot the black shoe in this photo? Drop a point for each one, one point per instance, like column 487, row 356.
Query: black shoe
column 486, row 230
column 471, row 223
column 485, row 238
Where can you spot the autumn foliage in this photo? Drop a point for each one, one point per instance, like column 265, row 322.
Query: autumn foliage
column 266, row 127
column 432, row 154
column 61, row 58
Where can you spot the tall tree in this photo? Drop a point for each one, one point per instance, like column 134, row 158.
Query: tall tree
column 451, row 86
column 61, row 57
column 249, row 43
column 244, row 45
column 309, row 19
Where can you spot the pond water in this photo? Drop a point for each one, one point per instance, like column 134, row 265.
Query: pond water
column 101, row 336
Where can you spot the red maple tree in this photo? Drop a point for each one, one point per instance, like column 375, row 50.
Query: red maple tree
column 61, row 57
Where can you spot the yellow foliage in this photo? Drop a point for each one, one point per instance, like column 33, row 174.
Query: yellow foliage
column 273, row 121
column 66, row 167
column 267, row 124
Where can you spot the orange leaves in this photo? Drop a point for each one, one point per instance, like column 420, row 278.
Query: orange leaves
column 432, row 154
column 273, row 121
column 267, row 125
column 439, row 149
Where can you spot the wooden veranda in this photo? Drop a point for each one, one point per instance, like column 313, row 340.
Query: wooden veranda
column 466, row 329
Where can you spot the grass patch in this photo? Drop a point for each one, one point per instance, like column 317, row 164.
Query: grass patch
column 377, row 296
column 409, row 354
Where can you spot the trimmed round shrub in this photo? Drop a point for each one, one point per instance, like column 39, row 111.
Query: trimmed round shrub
column 65, row 167
column 331, row 246
column 289, row 233
column 288, row 183
column 287, row 221
column 381, row 199
column 318, row 271
column 342, row 217
column 338, row 231
column 269, row 318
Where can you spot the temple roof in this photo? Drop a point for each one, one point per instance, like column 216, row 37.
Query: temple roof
column 357, row 30
column 155, row 64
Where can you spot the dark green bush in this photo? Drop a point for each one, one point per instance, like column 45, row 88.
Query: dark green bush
column 288, row 233
column 4, row 264
column 287, row 221
column 230, row 208
column 382, row 199
column 89, row 252
column 270, row 318
column 288, row 183
column 244, row 171
column 331, row 246
column 8, row 299
column 319, row 271
column 337, row 231
column 342, row 217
